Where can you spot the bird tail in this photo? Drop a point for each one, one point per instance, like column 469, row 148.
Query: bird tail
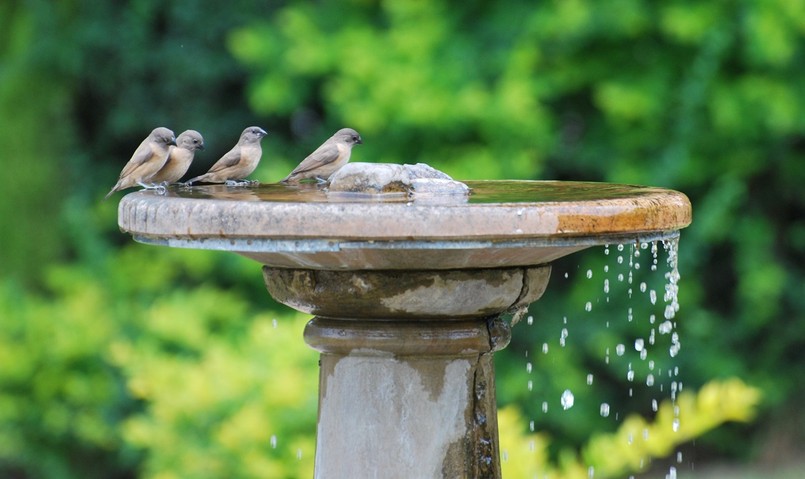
column 114, row 188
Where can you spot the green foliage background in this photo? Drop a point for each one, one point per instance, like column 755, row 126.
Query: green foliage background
column 123, row 360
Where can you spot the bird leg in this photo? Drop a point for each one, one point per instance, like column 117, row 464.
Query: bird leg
column 160, row 188
column 242, row 183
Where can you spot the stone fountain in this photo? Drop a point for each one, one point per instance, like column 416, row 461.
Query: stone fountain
column 408, row 291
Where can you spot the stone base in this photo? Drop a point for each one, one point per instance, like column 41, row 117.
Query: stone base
column 406, row 400
column 407, row 382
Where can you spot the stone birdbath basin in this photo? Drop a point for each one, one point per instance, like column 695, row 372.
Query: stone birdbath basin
column 407, row 294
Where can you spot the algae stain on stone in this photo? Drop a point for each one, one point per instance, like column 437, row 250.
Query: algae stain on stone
column 395, row 417
column 460, row 297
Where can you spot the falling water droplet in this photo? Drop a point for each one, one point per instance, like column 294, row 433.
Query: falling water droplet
column 606, row 286
column 591, row 472
column 638, row 344
column 589, row 379
column 530, row 320
column 530, row 385
column 567, row 399
column 299, row 454
column 531, row 426
column 589, row 274
column 620, row 259
column 588, row 306
column 604, row 409
column 642, row 286
column 544, row 348
column 620, row 349
column 650, row 380
column 654, row 405
column 528, row 367
column 273, row 441
column 675, row 345
column 652, row 296
column 544, row 406
column 274, row 323
column 673, row 350
column 671, row 473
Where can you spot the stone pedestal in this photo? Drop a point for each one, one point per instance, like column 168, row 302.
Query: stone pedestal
column 407, row 382
column 407, row 289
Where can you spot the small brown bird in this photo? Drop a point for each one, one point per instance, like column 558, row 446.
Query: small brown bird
column 239, row 162
column 179, row 158
column 326, row 159
column 147, row 159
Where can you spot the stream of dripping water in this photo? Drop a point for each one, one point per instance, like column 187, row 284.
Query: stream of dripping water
column 639, row 343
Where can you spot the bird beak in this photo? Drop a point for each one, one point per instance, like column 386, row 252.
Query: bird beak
column 263, row 132
column 201, row 146
column 360, row 141
column 172, row 142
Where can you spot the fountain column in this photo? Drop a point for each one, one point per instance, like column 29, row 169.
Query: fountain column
column 407, row 382
column 407, row 293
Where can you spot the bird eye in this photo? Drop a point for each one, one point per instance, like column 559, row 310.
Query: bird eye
column 354, row 138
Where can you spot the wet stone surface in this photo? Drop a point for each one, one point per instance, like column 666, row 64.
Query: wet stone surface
column 375, row 178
